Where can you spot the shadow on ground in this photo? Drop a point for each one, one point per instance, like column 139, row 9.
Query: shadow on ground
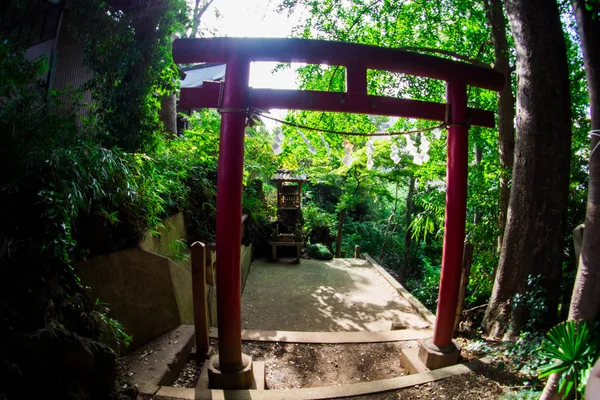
column 334, row 296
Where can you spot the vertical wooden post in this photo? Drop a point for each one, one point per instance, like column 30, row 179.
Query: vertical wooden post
column 357, row 251
column 199, row 299
column 464, row 281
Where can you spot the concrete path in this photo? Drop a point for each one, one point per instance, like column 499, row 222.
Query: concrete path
column 323, row 296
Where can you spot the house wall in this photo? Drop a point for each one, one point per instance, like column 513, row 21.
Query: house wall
column 44, row 49
column 69, row 72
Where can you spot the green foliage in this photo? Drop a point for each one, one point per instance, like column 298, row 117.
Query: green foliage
column 427, row 285
column 130, row 56
column 430, row 220
column 254, row 202
column 319, row 252
column 574, row 347
column 534, row 301
column 314, row 216
column 521, row 356
column 112, row 333
column 179, row 251
column 523, row 394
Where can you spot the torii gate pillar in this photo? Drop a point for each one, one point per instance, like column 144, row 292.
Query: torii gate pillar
column 441, row 351
column 231, row 369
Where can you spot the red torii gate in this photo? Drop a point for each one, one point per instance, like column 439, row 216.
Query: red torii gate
column 232, row 369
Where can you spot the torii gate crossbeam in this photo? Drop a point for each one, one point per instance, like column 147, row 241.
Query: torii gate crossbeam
column 230, row 368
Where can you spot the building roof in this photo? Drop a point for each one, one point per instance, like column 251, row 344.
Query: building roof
column 286, row 176
column 195, row 76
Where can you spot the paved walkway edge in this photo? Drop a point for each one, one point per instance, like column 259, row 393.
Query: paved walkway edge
column 327, row 392
column 417, row 305
column 331, row 337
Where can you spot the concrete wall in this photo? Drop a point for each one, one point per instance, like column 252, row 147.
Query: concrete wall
column 181, row 277
column 138, row 286
column 173, row 229
column 245, row 261
column 147, row 292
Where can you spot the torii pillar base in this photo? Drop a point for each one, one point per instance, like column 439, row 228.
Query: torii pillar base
column 435, row 357
column 238, row 380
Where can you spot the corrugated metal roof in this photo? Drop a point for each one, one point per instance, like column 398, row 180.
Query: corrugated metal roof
column 285, row 176
column 195, row 76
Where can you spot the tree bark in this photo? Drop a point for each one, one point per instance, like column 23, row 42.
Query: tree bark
column 168, row 114
column 506, row 108
column 585, row 302
column 533, row 240
column 199, row 11
column 338, row 239
column 408, row 234
column 390, row 219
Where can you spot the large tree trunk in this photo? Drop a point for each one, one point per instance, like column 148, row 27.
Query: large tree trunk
column 533, row 240
column 506, row 108
column 585, row 302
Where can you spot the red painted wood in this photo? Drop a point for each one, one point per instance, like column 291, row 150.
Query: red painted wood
column 268, row 99
column 356, row 79
column 229, row 215
column 334, row 53
column 456, row 206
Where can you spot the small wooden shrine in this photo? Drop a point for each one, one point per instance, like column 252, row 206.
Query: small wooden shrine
column 287, row 231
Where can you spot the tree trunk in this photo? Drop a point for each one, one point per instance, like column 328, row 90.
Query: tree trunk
column 533, row 238
column 198, row 12
column 390, row 219
column 506, row 108
column 585, row 302
column 408, row 234
column 168, row 114
column 338, row 239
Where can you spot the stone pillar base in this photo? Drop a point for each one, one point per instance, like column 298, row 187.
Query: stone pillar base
column 434, row 357
column 230, row 380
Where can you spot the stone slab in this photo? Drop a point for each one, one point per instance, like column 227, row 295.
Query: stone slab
column 356, row 389
column 258, row 382
column 179, row 393
column 203, row 378
column 434, row 358
column 331, row 337
column 411, row 361
column 160, row 361
column 238, row 380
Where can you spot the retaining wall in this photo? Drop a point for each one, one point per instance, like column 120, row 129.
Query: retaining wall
column 149, row 293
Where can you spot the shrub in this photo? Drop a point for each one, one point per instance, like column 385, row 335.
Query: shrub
column 319, row 252
column 574, row 347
